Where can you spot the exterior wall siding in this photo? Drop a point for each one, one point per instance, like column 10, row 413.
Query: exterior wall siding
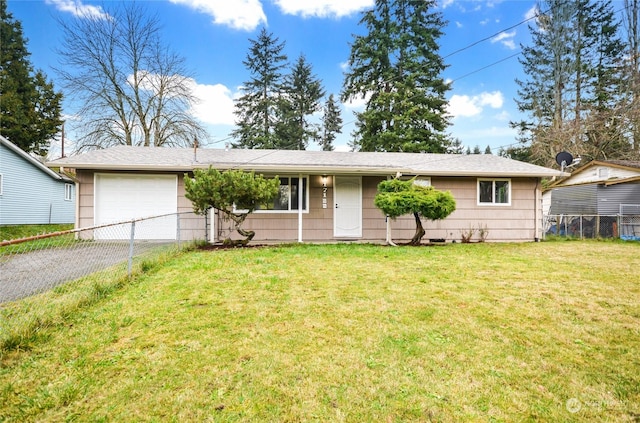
column 516, row 222
column 593, row 199
column 30, row 196
column 574, row 200
column 610, row 197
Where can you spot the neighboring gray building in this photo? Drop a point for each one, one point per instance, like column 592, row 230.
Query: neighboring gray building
column 30, row 192
column 605, row 188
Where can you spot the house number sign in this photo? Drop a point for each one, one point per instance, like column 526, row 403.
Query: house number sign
column 324, row 195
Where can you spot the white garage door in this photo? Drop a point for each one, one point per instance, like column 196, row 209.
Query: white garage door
column 122, row 197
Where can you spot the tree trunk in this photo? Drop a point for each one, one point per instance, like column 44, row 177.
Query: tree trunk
column 417, row 238
column 238, row 219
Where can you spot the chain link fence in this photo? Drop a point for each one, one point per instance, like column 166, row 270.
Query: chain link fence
column 43, row 275
column 626, row 227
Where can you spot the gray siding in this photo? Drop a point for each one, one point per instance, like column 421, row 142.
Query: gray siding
column 610, row 197
column 593, row 199
column 31, row 196
column 574, row 200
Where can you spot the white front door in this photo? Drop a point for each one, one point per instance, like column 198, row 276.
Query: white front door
column 347, row 211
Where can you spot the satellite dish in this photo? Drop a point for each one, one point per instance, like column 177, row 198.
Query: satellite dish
column 564, row 159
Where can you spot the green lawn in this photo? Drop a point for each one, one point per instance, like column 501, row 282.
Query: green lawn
column 464, row 332
column 9, row 232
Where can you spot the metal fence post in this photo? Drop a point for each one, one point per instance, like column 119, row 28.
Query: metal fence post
column 133, row 236
column 178, row 229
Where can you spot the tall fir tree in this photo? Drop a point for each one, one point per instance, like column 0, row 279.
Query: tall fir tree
column 631, row 114
column 302, row 92
column 29, row 105
column 396, row 68
column 571, row 73
column 604, row 129
column 259, row 110
column 331, row 124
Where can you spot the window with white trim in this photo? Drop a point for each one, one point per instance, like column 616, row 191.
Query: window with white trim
column 494, row 192
column 423, row 181
column 68, row 192
column 287, row 198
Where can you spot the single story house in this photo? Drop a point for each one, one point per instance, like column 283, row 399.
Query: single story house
column 30, row 192
column 600, row 188
column 325, row 196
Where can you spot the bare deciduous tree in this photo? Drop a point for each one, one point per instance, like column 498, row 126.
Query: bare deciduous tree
column 130, row 87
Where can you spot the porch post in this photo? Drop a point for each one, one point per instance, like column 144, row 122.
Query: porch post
column 300, row 202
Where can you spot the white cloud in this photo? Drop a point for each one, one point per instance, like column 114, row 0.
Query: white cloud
column 469, row 106
column 357, row 103
column 463, row 106
column 495, row 100
column 531, row 13
column 446, row 3
column 506, row 39
column 78, row 9
column 238, row 14
column 323, row 8
column 216, row 104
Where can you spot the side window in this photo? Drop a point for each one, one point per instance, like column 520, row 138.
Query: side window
column 68, row 192
column 494, row 192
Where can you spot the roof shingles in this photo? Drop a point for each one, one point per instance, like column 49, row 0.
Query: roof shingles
column 185, row 159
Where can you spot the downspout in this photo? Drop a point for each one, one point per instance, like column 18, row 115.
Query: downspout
column 77, row 198
column 300, row 192
column 537, row 209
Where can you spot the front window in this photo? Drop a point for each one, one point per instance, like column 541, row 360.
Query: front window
column 287, row 198
column 494, row 191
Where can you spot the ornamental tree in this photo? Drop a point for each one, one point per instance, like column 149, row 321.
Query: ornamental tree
column 396, row 198
column 234, row 193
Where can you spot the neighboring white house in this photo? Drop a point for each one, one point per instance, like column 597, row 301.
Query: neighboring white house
column 30, row 192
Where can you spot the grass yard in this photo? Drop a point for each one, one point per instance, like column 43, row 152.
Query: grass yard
column 465, row 332
column 8, row 232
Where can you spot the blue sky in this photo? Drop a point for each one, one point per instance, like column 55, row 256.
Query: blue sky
column 213, row 36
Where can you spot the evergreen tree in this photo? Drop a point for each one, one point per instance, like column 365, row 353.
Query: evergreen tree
column 604, row 129
column 331, row 124
column 476, row 149
column 396, row 67
column 302, row 93
column 522, row 153
column 572, row 77
column 29, row 105
column 261, row 106
column 487, row 150
column 631, row 108
column 456, row 147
